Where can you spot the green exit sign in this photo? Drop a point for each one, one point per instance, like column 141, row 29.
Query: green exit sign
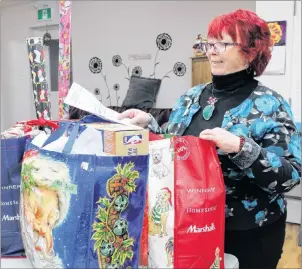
column 44, row 14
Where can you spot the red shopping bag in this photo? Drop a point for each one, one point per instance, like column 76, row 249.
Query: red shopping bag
column 186, row 198
column 200, row 205
column 143, row 258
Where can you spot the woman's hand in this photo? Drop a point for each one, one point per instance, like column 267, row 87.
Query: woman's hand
column 136, row 116
column 223, row 139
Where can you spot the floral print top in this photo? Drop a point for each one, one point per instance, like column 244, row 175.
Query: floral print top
column 269, row 163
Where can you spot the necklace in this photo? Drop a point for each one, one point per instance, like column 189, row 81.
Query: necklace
column 207, row 112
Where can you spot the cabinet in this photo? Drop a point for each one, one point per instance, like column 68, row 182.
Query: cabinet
column 201, row 70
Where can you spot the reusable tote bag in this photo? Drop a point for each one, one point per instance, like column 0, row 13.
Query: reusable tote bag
column 12, row 149
column 11, row 154
column 81, row 210
column 186, row 200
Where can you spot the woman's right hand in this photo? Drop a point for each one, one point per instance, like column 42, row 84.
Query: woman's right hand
column 136, row 116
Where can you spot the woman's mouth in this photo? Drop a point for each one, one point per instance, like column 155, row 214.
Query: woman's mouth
column 216, row 62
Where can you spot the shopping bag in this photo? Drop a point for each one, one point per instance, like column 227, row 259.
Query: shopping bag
column 13, row 142
column 186, row 199
column 81, row 210
column 143, row 259
column 11, row 154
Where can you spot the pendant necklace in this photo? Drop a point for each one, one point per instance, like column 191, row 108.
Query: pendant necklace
column 207, row 112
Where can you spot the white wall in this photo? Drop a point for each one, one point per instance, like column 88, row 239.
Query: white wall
column 100, row 29
column 17, row 24
column 295, row 91
column 104, row 31
column 273, row 11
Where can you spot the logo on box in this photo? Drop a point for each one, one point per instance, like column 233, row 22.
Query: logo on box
column 132, row 139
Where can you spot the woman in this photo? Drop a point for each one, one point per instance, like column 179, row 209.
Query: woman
column 254, row 131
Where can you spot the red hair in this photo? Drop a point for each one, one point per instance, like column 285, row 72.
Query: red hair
column 252, row 32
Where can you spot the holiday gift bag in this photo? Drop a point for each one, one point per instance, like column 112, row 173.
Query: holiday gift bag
column 12, row 148
column 186, row 200
column 82, row 210
column 11, row 154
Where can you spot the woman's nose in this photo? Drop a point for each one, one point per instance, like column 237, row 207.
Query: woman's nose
column 211, row 50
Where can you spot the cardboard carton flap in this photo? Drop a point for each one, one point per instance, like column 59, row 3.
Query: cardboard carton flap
column 116, row 127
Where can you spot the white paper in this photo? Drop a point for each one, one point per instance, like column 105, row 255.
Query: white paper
column 89, row 142
column 57, row 145
column 40, row 139
column 83, row 99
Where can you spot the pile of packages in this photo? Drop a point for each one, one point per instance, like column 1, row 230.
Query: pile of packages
column 95, row 193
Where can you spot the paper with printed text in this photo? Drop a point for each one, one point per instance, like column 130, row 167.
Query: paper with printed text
column 81, row 98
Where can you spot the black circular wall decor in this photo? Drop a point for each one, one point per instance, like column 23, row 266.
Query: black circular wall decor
column 97, row 91
column 95, row 65
column 179, row 69
column 137, row 71
column 117, row 60
column 164, row 41
column 116, row 87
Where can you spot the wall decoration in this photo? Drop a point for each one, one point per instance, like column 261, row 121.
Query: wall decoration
column 116, row 88
column 117, row 61
column 38, row 76
column 179, row 69
column 138, row 57
column 97, row 91
column 96, row 67
column 163, row 42
column 64, row 57
column 277, row 64
column 137, row 71
column 278, row 32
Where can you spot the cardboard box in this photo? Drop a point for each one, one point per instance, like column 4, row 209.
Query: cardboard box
column 122, row 140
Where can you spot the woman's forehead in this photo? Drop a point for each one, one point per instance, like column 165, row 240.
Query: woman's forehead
column 224, row 37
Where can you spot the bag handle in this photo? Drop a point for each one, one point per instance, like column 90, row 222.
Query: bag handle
column 71, row 139
column 74, row 132
column 76, row 129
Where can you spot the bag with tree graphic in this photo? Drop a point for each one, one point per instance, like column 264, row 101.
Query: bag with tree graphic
column 81, row 210
column 186, row 200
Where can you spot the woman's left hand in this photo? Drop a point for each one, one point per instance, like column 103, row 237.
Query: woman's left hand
column 223, row 139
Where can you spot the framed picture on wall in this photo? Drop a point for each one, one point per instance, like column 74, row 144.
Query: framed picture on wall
column 277, row 64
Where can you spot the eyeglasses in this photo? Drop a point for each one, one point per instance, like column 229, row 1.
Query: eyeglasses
column 219, row 47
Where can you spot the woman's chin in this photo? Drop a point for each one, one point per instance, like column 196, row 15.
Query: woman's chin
column 216, row 70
